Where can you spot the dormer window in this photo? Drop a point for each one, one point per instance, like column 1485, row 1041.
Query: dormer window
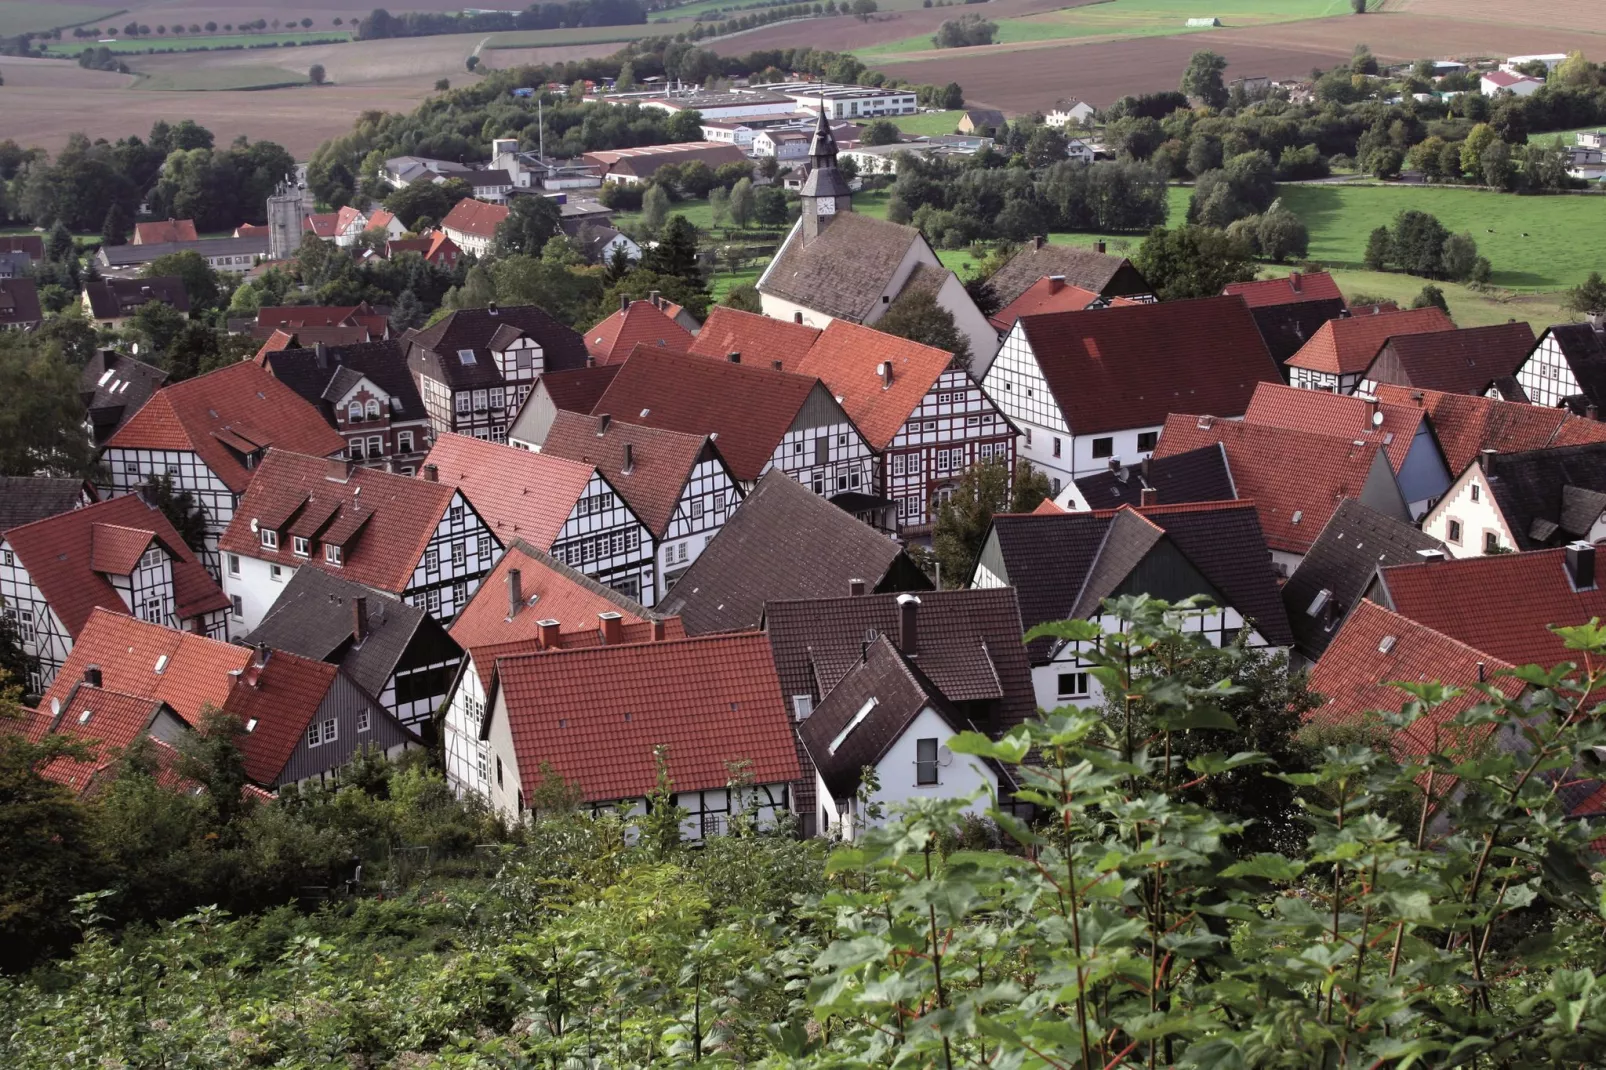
column 300, row 546
column 152, row 558
column 270, row 539
column 331, row 554
column 465, row 356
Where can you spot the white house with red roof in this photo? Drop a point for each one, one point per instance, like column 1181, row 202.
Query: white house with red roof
column 208, row 435
column 121, row 555
column 418, row 539
column 1086, row 388
column 1494, row 83
column 472, row 224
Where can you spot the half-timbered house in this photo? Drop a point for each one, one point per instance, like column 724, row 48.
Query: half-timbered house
column 121, row 555
column 1339, row 353
column 1471, row 360
column 563, row 507
column 417, row 539
column 208, row 435
column 1566, row 367
column 366, row 393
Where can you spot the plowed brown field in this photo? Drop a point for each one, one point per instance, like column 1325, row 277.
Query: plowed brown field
column 1411, row 33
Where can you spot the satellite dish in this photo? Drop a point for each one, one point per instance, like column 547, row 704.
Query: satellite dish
column 253, row 524
column 134, row 349
column 1377, row 419
column 945, row 757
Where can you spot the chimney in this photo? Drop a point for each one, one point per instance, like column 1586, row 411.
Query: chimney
column 1581, row 565
column 515, row 592
column 1037, row 241
column 548, row 634
column 884, row 369
column 1597, row 320
column 1148, row 496
column 909, row 624
column 734, row 356
column 604, row 421
column 359, row 618
column 1100, row 247
column 339, row 470
column 797, row 317
column 613, row 628
column 262, row 656
column 1115, row 464
column 624, row 302
column 656, row 299
column 657, row 631
column 1486, row 461
column 1145, row 466
column 431, row 474
column 1296, row 283
column 1056, row 283
column 1592, row 411
column 1431, row 555
column 856, row 588
column 630, row 459
column 320, row 355
column 92, row 675
column 490, row 308
column 1483, row 676
column 777, row 365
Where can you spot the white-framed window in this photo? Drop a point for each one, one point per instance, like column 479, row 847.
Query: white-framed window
column 942, row 460
column 275, row 573
column 483, row 545
column 365, row 720
column 7, row 558
column 354, row 448
column 926, row 761
column 914, row 464
column 376, row 446
column 131, row 468
column 480, row 400
column 897, row 464
column 459, row 554
column 152, row 611
column 432, row 600
column 300, row 546
column 496, row 397
column 454, row 513
column 354, row 411
column 236, row 606
column 459, row 594
column 404, row 442
column 270, row 538
column 319, row 733
column 1073, row 685
column 432, row 559
column 463, row 402
column 373, row 408
column 331, row 554
column 498, row 432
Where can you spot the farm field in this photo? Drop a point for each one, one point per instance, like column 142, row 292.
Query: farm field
column 208, row 79
column 17, row 16
column 1403, row 34
column 929, row 124
column 576, row 35
column 199, row 42
column 844, row 33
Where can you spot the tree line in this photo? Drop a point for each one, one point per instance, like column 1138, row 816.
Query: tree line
column 380, row 23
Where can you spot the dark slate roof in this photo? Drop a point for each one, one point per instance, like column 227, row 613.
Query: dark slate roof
column 844, row 270
column 784, row 541
column 314, row 617
column 1054, row 559
column 434, row 349
column 24, row 499
column 899, row 692
column 1463, row 361
column 322, row 377
column 1585, row 351
column 1550, row 497
column 1199, row 475
column 129, row 255
column 114, row 386
column 115, row 298
column 1356, row 542
column 19, row 303
column 1286, row 328
column 968, row 645
column 1081, row 266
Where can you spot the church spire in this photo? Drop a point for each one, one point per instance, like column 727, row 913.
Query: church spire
column 825, row 191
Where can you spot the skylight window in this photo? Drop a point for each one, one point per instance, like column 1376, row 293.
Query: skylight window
column 858, row 719
column 83, row 718
column 465, row 356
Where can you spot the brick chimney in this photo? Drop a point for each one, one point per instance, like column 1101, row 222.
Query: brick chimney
column 92, row 675
column 359, row 618
column 1037, row 241
column 548, row 634
column 1056, row 283
column 515, row 592
column 1296, row 283
column 613, row 628
column 603, row 421
column 630, row 459
column 657, row 631
column 1100, row 247
column 909, row 625
column 339, row 470
column 856, row 588
column 624, row 302
column 1581, row 565
column 1148, row 496
column 1486, row 461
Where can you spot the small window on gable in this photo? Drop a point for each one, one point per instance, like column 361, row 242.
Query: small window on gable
column 925, row 761
column 1491, row 543
column 465, row 356
column 365, row 720
column 1455, row 532
column 1476, row 492
column 373, row 409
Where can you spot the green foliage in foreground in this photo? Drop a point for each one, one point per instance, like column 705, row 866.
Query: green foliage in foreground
column 1442, row 911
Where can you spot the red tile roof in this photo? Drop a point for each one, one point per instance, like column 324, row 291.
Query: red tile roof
column 597, row 715
column 1502, row 603
column 1046, row 295
column 68, row 555
column 519, row 494
column 475, row 217
column 1347, row 346
column 166, row 230
column 750, row 407
column 380, row 220
column 1464, row 361
column 659, row 466
column 293, row 318
column 1356, row 675
column 849, row 360
column 1296, row 288
column 382, row 522
column 287, row 693
column 1117, row 368
column 108, row 721
column 762, row 339
column 1466, row 425
column 1340, row 415
column 643, row 323
column 241, row 404
column 1288, row 474
column 578, row 389
column 277, row 342
column 251, row 230
column 324, row 224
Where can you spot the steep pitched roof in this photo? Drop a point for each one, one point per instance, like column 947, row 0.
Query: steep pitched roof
column 166, row 230
column 222, row 414
column 1052, row 294
column 19, row 302
column 1467, row 425
column 1347, row 346
column 855, row 362
column 761, row 338
column 597, row 715
column 113, row 387
column 579, row 389
column 844, row 271
column 107, row 721
column 1463, row 361
column 968, row 644
column 24, row 499
column 475, row 217
column 69, row 557
column 312, row 372
column 298, row 317
column 1338, row 415
column 111, row 298
column 1199, row 475
column 437, row 348
column 381, row 522
column 784, row 542
column 1117, row 368
column 1342, row 562
column 1551, row 496
column 648, row 466
column 1296, row 479
column 1296, row 288
column 1080, row 266
column 519, row 494
column 1584, row 349
column 640, row 323
column 750, row 408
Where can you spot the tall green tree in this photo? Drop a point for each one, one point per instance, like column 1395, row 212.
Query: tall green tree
column 1203, row 79
column 675, row 252
column 41, row 413
column 181, row 510
column 741, row 202
column 963, row 521
column 115, row 230
column 200, row 278
column 1192, row 261
column 918, row 317
column 1588, row 298
column 530, row 224
column 654, row 209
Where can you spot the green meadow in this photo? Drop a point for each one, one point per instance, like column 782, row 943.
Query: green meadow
column 199, row 42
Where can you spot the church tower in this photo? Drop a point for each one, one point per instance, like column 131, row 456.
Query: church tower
column 825, row 192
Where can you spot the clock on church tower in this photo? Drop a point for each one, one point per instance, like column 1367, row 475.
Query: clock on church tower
column 825, row 206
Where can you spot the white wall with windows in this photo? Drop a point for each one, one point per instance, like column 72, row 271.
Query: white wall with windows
column 707, row 500
column 1467, row 520
column 1545, row 376
column 125, row 470
column 253, row 585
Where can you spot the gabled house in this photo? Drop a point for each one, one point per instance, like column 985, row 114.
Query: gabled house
column 1566, row 367
column 1523, row 501
column 1199, row 475
column 1465, row 361
column 1289, row 311
column 838, row 265
column 1338, row 355
column 120, row 555
column 639, row 322
column 471, row 224
column 113, row 387
column 1403, row 431
column 1087, row 268
column 530, row 602
column 677, row 485
column 109, row 723
column 435, row 247
column 297, row 318
column 1052, row 294
column 395, row 652
column 1086, row 387
column 1465, row 426
column 960, row 650
column 164, row 230
column 1070, row 111
column 209, row 434
column 762, row 417
column 562, row 507
column 19, row 304
column 109, row 302
column 417, row 539
column 920, row 409
column 477, row 365
column 599, row 718
column 298, row 719
column 1064, row 565
column 577, row 390
column 1342, row 563
column 1294, row 478
column 367, row 393
column 24, row 499
column 785, row 543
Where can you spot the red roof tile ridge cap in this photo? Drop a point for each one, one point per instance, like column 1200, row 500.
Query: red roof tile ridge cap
column 688, row 640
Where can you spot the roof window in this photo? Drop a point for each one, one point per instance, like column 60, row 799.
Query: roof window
column 465, row 356
column 858, row 719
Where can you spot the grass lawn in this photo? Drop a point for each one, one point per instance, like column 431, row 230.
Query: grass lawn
column 721, row 282
column 199, row 42
column 929, row 124
column 17, row 17
column 211, row 78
